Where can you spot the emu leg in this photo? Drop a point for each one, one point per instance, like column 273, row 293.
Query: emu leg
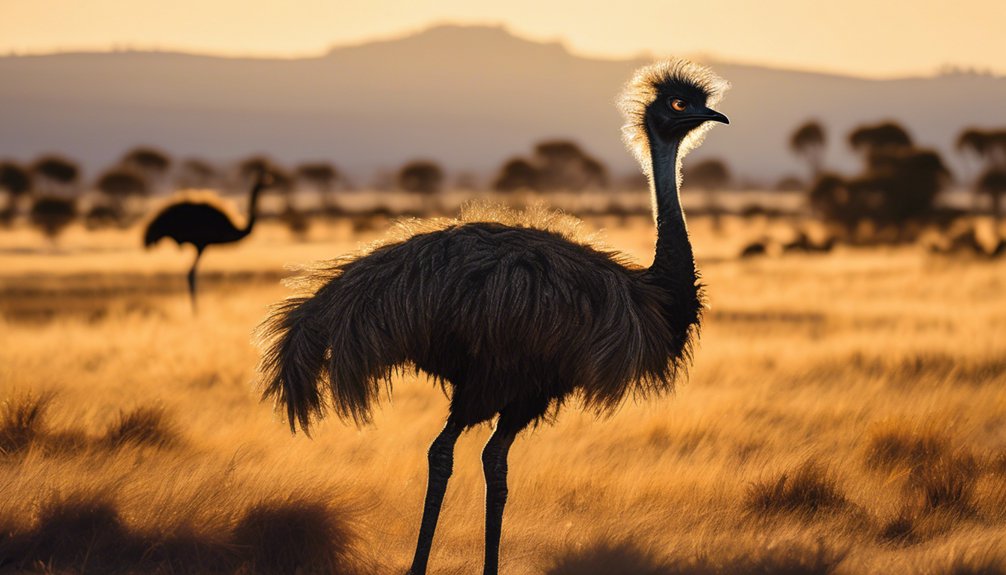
column 494, row 464
column 441, row 456
column 192, row 278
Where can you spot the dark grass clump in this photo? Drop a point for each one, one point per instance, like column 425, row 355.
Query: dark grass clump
column 80, row 531
column 947, row 485
column 627, row 558
column 783, row 560
column 297, row 536
column 893, row 445
column 937, row 498
column 901, row 530
column 22, row 421
column 86, row 532
column 607, row 557
column 148, row 426
column 808, row 490
column 926, row 368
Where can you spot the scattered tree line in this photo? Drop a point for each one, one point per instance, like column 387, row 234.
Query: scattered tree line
column 51, row 192
column 897, row 188
column 553, row 165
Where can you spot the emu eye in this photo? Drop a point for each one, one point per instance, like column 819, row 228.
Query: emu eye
column 677, row 104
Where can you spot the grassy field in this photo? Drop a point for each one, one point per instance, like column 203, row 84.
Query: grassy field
column 846, row 413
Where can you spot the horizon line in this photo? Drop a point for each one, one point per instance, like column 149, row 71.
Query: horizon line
column 706, row 57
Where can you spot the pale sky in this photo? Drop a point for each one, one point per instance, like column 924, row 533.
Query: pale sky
column 863, row 37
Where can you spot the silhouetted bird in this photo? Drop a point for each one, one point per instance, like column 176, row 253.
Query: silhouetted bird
column 513, row 319
column 201, row 224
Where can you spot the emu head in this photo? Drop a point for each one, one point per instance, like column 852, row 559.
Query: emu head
column 670, row 101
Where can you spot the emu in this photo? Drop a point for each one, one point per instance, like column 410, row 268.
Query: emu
column 512, row 320
column 202, row 224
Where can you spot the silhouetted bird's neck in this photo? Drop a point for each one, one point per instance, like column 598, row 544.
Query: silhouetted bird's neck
column 253, row 207
column 673, row 263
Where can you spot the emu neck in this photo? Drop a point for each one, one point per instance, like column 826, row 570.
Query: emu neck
column 673, row 263
column 252, row 209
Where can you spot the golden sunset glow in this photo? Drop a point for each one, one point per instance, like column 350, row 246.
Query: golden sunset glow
column 647, row 287
column 857, row 36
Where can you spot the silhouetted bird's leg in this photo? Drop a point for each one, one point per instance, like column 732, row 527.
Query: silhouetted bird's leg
column 441, row 456
column 494, row 464
column 192, row 278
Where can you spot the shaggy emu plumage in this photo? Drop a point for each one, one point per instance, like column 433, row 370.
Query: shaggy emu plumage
column 511, row 317
column 201, row 223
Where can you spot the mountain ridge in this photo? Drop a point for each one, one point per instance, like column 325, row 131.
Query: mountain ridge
column 467, row 96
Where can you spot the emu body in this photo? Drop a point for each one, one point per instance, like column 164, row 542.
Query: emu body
column 200, row 224
column 511, row 319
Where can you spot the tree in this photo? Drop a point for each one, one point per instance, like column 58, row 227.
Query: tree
column 253, row 165
column 421, row 177
column 151, row 162
column 554, row 165
column 56, row 173
column 52, row 214
column 993, row 184
column 913, row 178
column 320, row 174
column 899, row 187
column 15, row 179
column 710, row 176
column 808, row 141
column 120, row 185
column 563, row 165
column 873, row 138
column 828, row 198
column 323, row 176
column 15, row 183
column 516, row 174
column 974, row 141
column 596, row 173
column 989, row 147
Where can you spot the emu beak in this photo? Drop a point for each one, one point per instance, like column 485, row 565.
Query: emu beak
column 710, row 115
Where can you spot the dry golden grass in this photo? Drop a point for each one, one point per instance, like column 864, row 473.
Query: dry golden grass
column 845, row 415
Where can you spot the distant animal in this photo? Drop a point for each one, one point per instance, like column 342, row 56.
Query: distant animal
column 512, row 320
column 754, row 249
column 202, row 224
column 803, row 243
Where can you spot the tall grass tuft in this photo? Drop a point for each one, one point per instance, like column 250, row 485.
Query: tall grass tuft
column 630, row 558
column 149, row 426
column 81, row 531
column 947, row 485
column 297, row 536
column 22, row 421
column 808, row 490
column 605, row 557
column 896, row 444
column 78, row 531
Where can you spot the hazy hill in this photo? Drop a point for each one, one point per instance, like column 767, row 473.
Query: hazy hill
column 467, row 96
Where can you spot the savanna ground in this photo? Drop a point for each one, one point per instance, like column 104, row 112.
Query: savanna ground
column 846, row 413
